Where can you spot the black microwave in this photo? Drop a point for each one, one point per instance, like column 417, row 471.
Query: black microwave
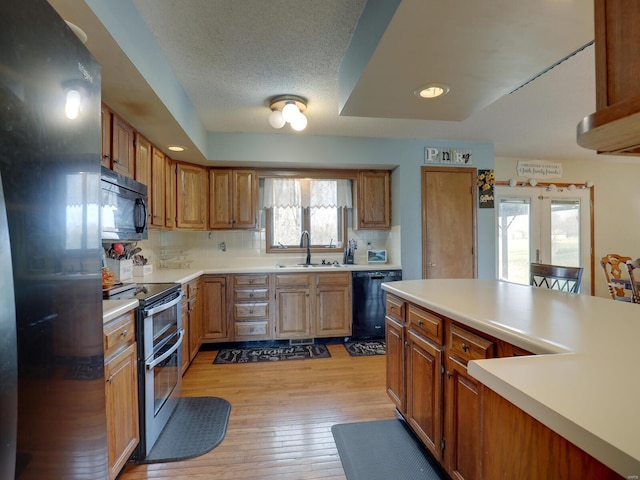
column 123, row 207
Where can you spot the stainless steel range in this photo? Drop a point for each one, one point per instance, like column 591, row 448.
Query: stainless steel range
column 159, row 335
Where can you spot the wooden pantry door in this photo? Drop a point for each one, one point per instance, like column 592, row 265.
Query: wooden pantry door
column 449, row 239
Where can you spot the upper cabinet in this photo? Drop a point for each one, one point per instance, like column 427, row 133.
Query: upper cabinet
column 233, row 199
column 142, row 160
column 191, row 198
column 373, row 208
column 122, row 146
column 157, row 211
column 615, row 126
column 170, row 193
column 117, row 143
column 105, row 120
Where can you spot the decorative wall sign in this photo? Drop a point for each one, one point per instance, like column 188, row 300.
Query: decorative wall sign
column 539, row 169
column 447, row 156
column 486, row 179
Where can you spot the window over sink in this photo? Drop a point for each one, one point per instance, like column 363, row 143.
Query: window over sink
column 316, row 205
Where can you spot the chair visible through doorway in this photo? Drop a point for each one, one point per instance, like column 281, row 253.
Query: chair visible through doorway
column 555, row 277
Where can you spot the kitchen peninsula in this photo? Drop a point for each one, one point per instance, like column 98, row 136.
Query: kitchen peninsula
column 572, row 367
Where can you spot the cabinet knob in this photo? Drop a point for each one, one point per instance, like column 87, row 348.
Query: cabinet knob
column 251, row 294
column 420, row 323
column 124, row 333
column 465, row 347
column 251, row 310
column 110, row 380
column 449, row 375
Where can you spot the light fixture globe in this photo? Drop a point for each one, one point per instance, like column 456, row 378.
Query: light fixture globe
column 290, row 112
column 299, row 123
column 288, row 109
column 276, row 120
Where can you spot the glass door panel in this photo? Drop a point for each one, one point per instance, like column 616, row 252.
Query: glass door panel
column 537, row 225
column 514, row 238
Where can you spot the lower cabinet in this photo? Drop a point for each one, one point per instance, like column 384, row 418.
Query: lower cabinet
column 394, row 340
column 213, row 314
column 424, row 391
column 473, row 432
column 251, row 306
column 463, row 397
column 121, row 391
column 293, row 306
column 312, row 305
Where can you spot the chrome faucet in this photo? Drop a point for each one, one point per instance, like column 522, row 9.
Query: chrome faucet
column 305, row 233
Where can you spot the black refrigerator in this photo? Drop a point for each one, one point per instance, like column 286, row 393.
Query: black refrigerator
column 52, row 387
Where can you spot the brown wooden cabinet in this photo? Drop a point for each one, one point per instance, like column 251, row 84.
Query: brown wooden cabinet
column 215, row 326
column 186, row 340
column 157, row 213
column 171, row 184
column 233, row 199
column 252, row 307
column 373, row 208
column 106, row 124
column 191, row 196
column 193, row 313
column 424, row 377
column 313, row 305
column 121, row 391
column 293, row 305
column 122, row 152
column 333, row 305
column 142, row 161
column 463, row 397
column 394, row 340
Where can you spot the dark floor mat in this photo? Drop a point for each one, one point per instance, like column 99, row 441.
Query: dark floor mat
column 271, row 354
column 365, row 348
column 382, row 450
column 197, row 426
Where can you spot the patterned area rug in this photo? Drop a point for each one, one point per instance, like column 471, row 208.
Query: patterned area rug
column 366, row 348
column 271, row 354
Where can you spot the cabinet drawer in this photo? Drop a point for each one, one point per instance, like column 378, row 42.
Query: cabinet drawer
column 255, row 310
column 467, row 346
column 427, row 323
column 292, row 279
column 251, row 329
column 244, row 294
column 118, row 334
column 191, row 288
column 249, row 280
column 339, row 278
column 395, row 307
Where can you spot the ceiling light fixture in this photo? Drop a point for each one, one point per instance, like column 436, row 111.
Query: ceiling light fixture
column 432, row 90
column 177, row 148
column 288, row 109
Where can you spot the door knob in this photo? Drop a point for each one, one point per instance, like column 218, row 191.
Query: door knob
column 431, row 264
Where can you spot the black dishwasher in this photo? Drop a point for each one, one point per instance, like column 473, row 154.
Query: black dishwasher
column 368, row 302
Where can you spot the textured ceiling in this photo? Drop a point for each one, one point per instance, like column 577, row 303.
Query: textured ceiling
column 231, row 56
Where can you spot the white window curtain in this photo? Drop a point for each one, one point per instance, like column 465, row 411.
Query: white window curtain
column 306, row 192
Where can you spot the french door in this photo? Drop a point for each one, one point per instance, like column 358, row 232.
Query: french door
column 546, row 226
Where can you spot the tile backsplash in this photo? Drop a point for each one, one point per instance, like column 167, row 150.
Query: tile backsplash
column 224, row 248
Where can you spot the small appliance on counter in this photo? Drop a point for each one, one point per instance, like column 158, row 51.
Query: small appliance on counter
column 349, row 252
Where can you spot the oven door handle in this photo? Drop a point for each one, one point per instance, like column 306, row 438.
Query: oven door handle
column 162, row 308
column 167, row 354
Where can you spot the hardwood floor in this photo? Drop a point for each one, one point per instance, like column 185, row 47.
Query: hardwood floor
column 281, row 416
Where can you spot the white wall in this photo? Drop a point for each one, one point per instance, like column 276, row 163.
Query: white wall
column 616, row 208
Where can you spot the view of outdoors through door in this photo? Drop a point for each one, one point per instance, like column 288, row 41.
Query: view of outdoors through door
column 536, row 225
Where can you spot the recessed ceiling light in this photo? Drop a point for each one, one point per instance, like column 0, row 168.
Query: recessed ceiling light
column 432, row 90
column 177, row 148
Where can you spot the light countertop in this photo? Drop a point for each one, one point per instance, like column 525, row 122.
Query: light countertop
column 186, row 275
column 583, row 383
column 113, row 308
